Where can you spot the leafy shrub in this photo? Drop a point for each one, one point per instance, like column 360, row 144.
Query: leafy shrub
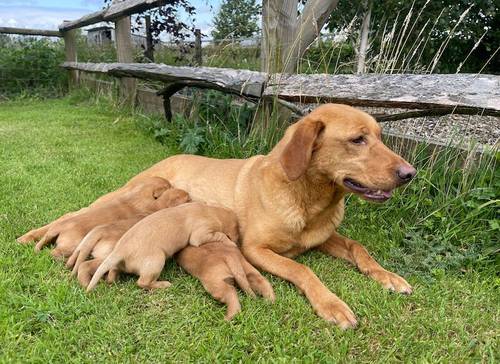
column 31, row 66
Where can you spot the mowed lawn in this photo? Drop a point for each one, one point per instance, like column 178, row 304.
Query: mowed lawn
column 57, row 157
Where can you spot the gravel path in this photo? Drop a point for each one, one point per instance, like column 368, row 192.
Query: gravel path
column 457, row 129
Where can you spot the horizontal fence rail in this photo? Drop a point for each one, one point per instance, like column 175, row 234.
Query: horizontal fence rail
column 242, row 82
column 115, row 11
column 435, row 94
column 24, row 31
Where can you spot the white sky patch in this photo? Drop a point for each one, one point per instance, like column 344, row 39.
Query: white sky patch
column 37, row 17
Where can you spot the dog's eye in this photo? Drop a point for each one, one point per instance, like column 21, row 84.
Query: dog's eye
column 358, row 140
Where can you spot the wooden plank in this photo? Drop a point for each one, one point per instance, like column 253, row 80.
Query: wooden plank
column 462, row 93
column 129, row 7
column 480, row 92
column 241, row 82
column 88, row 19
column 23, row 31
column 115, row 11
column 125, row 54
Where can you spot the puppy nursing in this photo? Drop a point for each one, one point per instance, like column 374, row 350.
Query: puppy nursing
column 217, row 266
column 144, row 248
column 149, row 196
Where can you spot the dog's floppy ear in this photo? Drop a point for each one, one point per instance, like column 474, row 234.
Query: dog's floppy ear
column 297, row 153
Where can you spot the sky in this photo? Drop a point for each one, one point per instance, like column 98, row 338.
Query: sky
column 48, row 14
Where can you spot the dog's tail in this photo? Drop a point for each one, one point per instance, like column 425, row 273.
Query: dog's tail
column 84, row 249
column 109, row 263
column 239, row 275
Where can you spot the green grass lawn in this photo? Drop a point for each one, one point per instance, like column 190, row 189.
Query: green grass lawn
column 56, row 156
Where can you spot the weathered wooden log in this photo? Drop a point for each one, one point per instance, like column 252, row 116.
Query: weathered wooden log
column 240, row 82
column 434, row 94
column 22, row 31
column 115, row 11
column 129, row 7
column 88, row 19
column 480, row 92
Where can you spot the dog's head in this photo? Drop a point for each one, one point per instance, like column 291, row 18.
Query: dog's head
column 344, row 145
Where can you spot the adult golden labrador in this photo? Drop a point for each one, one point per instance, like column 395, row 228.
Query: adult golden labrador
column 292, row 199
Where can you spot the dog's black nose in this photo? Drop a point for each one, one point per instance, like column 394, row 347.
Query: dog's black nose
column 406, row 172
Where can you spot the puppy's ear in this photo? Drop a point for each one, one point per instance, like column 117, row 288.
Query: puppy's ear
column 297, row 154
column 158, row 191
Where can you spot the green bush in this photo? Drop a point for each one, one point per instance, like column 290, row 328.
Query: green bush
column 31, row 66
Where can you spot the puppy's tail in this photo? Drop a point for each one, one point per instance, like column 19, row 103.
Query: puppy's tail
column 239, row 275
column 84, row 249
column 109, row 263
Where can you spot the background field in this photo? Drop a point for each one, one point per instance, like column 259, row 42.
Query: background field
column 59, row 155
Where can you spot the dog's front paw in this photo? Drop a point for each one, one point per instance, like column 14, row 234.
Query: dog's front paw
column 333, row 309
column 391, row 281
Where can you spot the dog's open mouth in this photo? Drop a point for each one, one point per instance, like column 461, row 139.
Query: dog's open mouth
column 365, row 192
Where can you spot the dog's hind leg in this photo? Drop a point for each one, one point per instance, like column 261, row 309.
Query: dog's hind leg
column 257, row 281
column 46, row 239
column 86, row 270
column 224, row 292
column 355, row 253
column 112, row 276
column 33, row 235
column 150, row 272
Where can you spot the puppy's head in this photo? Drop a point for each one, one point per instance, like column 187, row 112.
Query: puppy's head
column 172, row 197
column 150, row 188
column 344, row 145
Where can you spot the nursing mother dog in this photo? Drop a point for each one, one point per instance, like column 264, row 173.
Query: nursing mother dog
column 292, row 199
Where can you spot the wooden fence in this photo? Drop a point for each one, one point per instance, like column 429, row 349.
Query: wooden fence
column 424, row 94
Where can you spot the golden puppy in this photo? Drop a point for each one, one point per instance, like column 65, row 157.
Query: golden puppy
column 217, row 266
column 37, row 234
column 147, row 197
column 144, row 248
column 101, row 240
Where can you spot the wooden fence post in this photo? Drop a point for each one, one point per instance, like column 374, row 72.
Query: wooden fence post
column 198, row 56
column 149, row 52
column 70, row 54
column 124, row 50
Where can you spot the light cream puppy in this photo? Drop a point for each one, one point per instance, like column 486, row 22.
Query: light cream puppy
column 144, row 248
column 219, row 267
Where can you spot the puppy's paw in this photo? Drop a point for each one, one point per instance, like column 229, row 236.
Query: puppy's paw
column 333, row 309
column 391, row 281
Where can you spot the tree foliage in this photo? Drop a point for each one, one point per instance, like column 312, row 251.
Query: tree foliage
column 435, row 21
column 236, row 19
